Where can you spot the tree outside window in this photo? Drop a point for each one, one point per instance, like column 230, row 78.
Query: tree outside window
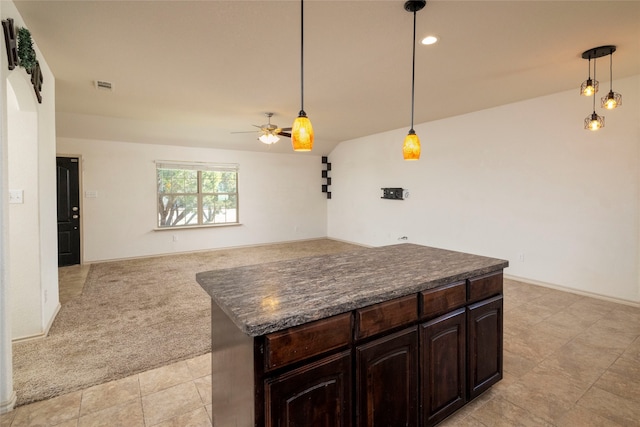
column 193, row 194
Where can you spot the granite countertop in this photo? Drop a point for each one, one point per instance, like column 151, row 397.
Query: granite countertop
column 264, row 298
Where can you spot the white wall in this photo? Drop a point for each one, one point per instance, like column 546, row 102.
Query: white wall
column 24, row 231
column 28, row 246
column 32, row 245
column 524, row 178
column 279, row 199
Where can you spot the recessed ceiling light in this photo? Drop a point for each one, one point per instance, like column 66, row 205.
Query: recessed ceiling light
column 429, row 40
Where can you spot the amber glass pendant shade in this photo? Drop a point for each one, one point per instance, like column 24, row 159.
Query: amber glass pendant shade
column 302, row 133
column 411, row 146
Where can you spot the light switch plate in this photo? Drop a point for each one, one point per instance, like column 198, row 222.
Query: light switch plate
column 16, row 196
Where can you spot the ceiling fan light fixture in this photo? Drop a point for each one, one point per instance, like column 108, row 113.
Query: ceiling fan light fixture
column 302, row 133
column 268, row 138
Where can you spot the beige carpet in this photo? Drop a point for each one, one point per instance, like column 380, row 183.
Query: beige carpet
column 133, row 316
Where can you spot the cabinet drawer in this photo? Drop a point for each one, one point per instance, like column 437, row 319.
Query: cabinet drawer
column 441, row 300
column 300, row 342
column 385, row 316
column 484, row 286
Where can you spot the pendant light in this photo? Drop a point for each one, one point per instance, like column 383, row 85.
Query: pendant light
column 593, row 121
column 613, row 99
column 411, row 146
column 589, row 87
column 302, row 131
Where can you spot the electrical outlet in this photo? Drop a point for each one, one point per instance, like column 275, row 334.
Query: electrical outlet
column 521, row 257
column 175, row 238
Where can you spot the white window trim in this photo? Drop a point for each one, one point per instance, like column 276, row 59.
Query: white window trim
column 198, row 166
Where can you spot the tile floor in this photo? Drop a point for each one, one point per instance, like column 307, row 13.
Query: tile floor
column 569, row 360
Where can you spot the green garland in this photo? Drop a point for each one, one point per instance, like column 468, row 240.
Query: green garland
column 26, row 54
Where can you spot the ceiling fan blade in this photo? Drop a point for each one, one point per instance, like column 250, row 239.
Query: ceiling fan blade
column 286, row 129
column 247, row 131
column 287, row 134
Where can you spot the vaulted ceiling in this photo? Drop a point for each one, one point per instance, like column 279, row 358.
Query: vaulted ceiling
column 192, row 72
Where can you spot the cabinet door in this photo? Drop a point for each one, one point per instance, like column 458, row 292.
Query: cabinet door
column 387, row 381
column 484, row 323
column 443, row 358
column 315, row 395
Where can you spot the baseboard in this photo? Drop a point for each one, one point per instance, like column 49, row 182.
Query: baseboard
column 574, row 291
column 50, row 323
column 8, row 405
column 42, row 334
column 195, row 251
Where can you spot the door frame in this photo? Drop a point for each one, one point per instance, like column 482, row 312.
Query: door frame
column 80, row 199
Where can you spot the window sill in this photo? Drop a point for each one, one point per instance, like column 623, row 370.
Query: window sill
column 189, row 227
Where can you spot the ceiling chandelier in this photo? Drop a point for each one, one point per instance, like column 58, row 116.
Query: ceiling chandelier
column 302, row 131
column 589, row 87
column 411, row 145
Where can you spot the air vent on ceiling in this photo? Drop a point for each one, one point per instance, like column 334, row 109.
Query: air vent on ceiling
column 103, row 85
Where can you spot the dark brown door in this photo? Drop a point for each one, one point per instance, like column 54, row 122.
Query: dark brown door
column 387, row 381
column 443, row 359
column 68, row 192
column 315, row 395
column 484, row 323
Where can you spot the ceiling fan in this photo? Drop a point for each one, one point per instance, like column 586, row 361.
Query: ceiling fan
column 269, row 132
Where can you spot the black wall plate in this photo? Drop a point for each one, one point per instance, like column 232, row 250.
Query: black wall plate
column 392, row 193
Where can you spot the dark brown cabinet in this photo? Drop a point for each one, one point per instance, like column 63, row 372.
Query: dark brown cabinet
column 387, row 381
column 484, row 353
column 409, row 361
column 442, row 360
column 315, row 395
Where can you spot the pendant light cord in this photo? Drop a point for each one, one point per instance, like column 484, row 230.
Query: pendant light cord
column 594, row 85
column 611, row 71
column 301, row 56
column 413, row 69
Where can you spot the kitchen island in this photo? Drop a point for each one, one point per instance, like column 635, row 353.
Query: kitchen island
column 395, row 335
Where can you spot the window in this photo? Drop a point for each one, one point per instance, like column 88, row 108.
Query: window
column 192, row 194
